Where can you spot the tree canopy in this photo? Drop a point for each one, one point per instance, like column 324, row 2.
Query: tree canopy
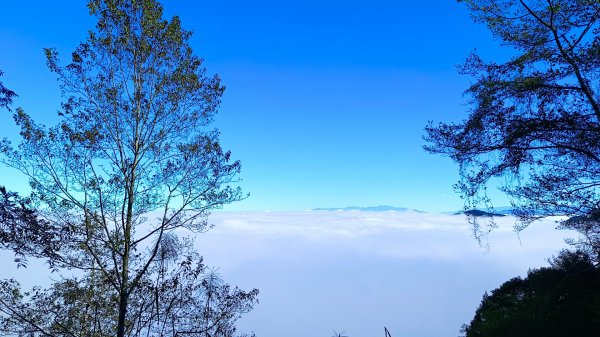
column 132, row 169
column 562, row 300
column 534, row 119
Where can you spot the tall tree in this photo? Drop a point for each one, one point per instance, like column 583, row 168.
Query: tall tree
column 131, row 165
column 535, row 118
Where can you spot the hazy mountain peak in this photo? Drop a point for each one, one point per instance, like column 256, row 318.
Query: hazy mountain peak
column 478, row 212
column 381, row 208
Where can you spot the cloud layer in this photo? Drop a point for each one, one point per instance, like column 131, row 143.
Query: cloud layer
column 419, row 274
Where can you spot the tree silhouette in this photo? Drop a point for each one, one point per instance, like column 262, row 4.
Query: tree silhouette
column 6, row 95
column 339, row 334
column 562, row 300
column 534, row 119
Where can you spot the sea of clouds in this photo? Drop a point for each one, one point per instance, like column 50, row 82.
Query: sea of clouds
column 419, row 274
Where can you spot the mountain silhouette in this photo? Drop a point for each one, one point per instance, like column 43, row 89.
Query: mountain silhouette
column 383, row 208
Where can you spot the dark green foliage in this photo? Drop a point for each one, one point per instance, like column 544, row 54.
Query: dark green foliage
column 562, row 300
column 24, row 232
column 6, row 95
column 534, row 119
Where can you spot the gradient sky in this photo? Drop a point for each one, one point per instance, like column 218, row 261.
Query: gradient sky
column 325, row 106
column 326, row 101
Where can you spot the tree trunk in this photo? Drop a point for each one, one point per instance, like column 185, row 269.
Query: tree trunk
column 123, row 299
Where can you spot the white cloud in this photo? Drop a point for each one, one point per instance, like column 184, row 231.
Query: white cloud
column 246, row 235
column 419, row 274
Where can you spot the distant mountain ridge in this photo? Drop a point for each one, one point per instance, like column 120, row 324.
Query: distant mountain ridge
column 477, row 212
column 497, row 211
column 383, row 208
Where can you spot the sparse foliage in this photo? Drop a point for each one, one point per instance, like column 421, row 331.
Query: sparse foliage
column 535, row 119
column 339, row 334
column 23, row 232
column 130, row 169
column 6, row 95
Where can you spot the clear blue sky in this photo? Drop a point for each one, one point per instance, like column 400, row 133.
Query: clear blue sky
column 325, row 106
column 326, row 101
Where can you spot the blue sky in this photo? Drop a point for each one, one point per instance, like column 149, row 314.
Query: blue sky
column 326, row 101
column 325, row 106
